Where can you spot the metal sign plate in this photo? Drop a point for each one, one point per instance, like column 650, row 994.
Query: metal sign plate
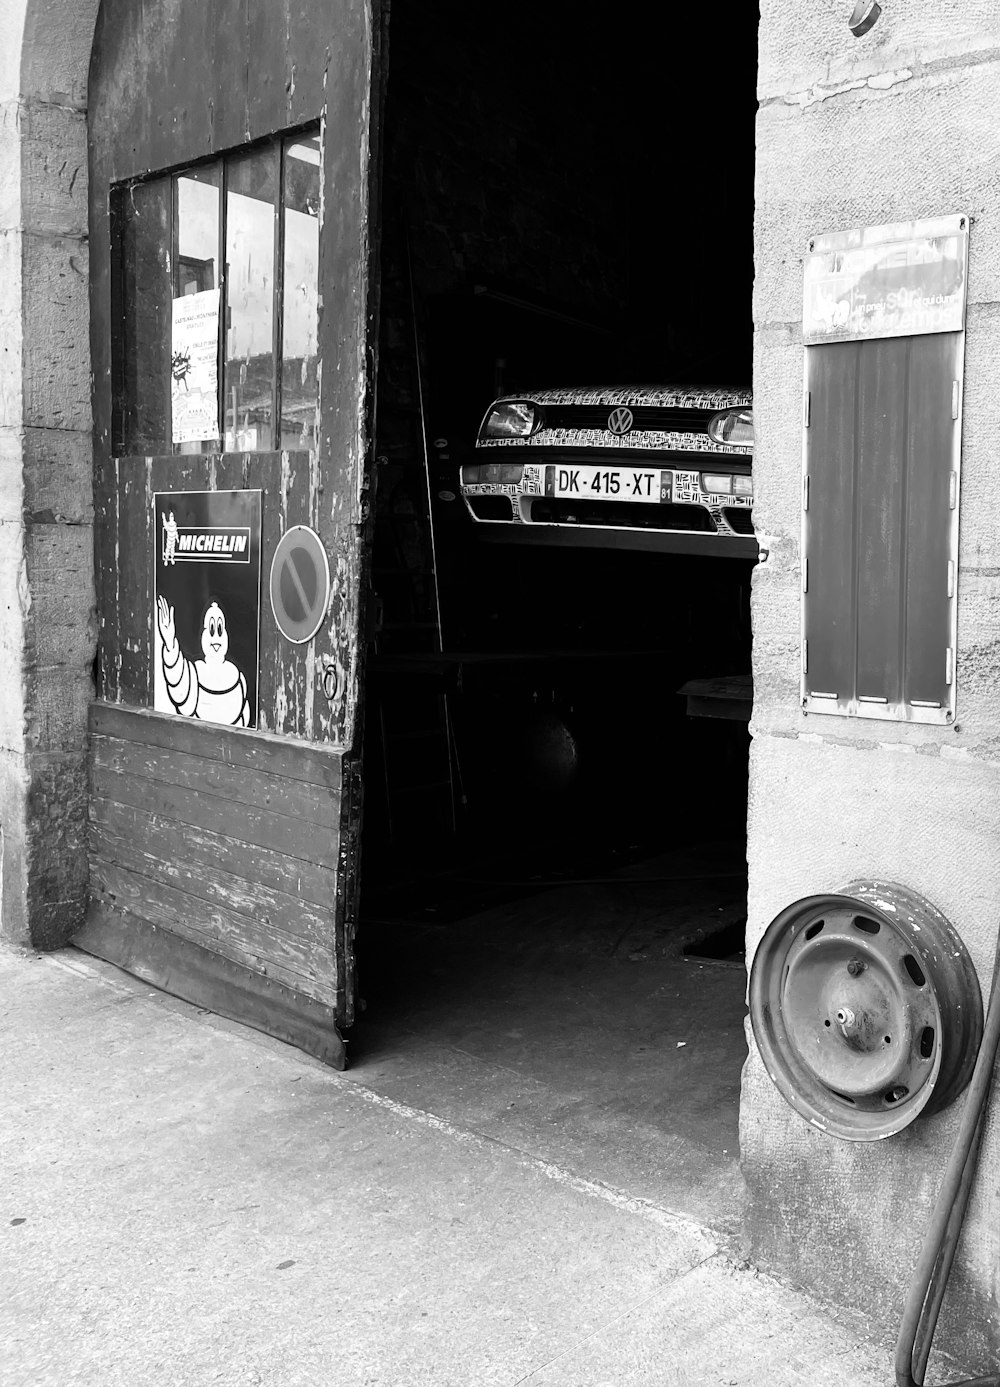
column 300, row 584
column 903, row 280
column 206, row 605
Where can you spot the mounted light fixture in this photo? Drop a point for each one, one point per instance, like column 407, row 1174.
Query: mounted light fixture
column 863, row 17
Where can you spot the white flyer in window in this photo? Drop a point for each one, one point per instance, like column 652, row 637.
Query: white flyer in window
column 194, row 367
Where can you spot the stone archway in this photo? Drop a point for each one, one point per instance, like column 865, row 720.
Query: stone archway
column 47, row 622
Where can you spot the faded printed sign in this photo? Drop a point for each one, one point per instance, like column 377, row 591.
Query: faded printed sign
column 206, row 605
column 892, row 281
column 194, row 368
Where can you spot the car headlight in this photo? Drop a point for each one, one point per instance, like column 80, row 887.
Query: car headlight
column 725, row 484
column 733, row 426
column 506, row 473
column 510, row 419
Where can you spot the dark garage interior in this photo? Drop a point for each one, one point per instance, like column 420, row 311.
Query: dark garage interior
column 554, row 875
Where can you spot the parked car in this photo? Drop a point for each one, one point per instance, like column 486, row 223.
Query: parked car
column 648, row 466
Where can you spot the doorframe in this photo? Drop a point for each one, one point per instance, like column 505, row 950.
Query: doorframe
column 46, row 496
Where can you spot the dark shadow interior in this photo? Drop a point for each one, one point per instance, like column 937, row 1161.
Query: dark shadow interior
column 554, row 849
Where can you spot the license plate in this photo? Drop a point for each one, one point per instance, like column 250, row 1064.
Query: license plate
column 610, row 483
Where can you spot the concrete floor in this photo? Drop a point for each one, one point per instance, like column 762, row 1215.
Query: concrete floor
column 570, row 1022
column 186, row 1202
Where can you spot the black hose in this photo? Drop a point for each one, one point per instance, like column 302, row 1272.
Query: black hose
column 930, row 1276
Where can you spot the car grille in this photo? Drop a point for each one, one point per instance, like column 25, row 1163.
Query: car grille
column 491, row 507
column 739, row 518
column 645, row 418
column 638, row 516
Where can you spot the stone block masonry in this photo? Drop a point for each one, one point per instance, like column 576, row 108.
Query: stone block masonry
column 851, row 133
column 47, row 616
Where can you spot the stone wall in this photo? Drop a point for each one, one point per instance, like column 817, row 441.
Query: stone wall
column 47, row 619
column 850, row 133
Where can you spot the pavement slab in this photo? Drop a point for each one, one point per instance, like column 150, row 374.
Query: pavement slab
column 187, row 1202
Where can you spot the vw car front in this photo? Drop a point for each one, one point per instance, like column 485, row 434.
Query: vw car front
column 651, row 467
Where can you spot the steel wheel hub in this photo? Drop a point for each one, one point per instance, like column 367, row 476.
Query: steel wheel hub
column 866, row 1009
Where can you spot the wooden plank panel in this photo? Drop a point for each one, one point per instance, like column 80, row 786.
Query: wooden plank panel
column 179, row 43
column 297, row 963
column 117, row 100
column 286, row 914
column 256, row 751
column 205, row 850
column 346, row 261
column 207, row 979
column 267, row 98
column 135, row 563
column 880, row 503
column 166, row 766
column 105, row 313
column 257, row 827
column 106, row 577
column 311, row 31
column 231, row 72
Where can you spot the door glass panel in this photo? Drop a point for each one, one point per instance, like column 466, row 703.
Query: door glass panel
column 251, row 196
column 300, row 293
column 197, row 194
column 142, row 365
column 196, row 263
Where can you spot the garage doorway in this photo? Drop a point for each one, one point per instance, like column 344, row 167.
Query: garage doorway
column 554, row 873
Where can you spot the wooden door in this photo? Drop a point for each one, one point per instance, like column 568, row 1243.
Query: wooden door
column 233, row 161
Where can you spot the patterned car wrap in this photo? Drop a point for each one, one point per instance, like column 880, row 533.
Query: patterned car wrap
column 645, row 439
column 660, row 396
column 667, row 443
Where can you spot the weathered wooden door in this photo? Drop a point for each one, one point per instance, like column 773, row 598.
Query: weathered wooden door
column 233, row 192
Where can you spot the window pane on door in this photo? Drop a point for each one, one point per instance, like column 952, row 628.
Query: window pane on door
column 251, row 196
column 142, row 360
column 197, row 195
column 300, row 292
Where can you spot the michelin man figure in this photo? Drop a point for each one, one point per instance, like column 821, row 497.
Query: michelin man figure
column 212, row 689
column 169, row 539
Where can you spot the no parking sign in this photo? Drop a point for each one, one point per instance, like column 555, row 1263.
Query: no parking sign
column 300, row 584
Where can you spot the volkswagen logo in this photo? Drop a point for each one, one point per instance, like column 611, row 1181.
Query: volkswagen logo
column 620, row 421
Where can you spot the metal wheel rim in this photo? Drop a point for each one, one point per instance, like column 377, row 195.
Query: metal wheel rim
column 866, row 1009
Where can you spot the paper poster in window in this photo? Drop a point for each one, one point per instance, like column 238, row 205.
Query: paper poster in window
column 194, row 367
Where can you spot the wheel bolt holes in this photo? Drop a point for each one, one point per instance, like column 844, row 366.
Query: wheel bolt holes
column 887, row 1039
column 913, row 970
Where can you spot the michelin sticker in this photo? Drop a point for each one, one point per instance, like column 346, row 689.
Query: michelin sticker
column 206, row 618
